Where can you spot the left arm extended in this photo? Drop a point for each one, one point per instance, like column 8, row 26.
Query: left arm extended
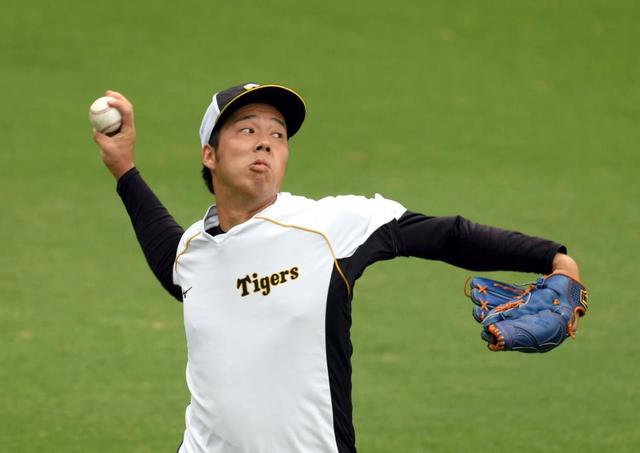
column 462, row 243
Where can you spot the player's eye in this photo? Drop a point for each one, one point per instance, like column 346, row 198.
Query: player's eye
column 277, row 135
column 247, row 130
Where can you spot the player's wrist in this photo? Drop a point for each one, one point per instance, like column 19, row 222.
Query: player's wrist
column 121, row 169
column 564, row 264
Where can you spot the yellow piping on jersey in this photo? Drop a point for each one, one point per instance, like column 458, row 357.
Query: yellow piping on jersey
column 335, row 260
column 186, row 246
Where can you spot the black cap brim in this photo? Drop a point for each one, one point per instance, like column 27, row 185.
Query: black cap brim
column 287, row 101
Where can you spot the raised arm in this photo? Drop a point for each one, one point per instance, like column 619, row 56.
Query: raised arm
column 117, row 150
column 157, row 232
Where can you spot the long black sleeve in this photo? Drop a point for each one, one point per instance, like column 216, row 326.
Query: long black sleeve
column 157, row 232
column 458, row 241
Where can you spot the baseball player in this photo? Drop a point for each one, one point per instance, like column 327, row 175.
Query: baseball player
column 267, row 278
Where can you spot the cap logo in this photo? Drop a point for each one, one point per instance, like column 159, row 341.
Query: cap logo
column 250, row 86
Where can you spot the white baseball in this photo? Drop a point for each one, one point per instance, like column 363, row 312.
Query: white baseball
column 103, row 117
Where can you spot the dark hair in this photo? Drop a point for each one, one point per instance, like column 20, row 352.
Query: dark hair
column 206, row 173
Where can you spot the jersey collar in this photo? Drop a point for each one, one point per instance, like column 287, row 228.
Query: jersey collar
column 211, row 219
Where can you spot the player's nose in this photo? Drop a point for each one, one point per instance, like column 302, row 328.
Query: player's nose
column 263, row 145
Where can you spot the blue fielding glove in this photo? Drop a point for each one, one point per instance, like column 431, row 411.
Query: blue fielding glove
column 527, row 318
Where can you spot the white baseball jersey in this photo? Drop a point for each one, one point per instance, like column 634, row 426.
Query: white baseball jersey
column 267, row 317
column 267, row 306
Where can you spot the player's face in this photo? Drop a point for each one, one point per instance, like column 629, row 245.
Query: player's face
column 252, row 154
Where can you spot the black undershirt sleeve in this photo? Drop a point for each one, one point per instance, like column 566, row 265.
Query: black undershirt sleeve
column 157, row 232
column 458, row 241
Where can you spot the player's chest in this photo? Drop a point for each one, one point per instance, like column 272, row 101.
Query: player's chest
column 270, row 271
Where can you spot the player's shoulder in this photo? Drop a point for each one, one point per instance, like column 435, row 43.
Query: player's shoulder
column 347, row 202
column 358, row 208
column 194, row 228
column 191, row 233
column 338, row 206
column 287, row 202
column 345, row 220
column 361, row 206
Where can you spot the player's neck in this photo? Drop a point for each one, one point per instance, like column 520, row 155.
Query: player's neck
column 232, row 212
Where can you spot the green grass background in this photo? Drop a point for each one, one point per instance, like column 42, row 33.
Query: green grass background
column 520, row 114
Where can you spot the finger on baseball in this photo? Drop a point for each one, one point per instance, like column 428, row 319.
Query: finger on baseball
column 120, row 102
column 99, row 137
column 115, row 94
column 126, row 110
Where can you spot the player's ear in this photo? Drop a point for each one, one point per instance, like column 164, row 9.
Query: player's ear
column 209, row 156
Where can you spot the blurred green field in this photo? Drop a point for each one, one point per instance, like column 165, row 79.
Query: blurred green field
column 522, row 114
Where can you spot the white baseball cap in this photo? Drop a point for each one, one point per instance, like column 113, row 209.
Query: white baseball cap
column 223, row 103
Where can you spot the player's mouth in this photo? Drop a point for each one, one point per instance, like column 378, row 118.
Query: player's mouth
column 260, row 165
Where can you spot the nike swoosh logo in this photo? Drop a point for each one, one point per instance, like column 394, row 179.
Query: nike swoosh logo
column 184, row 293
